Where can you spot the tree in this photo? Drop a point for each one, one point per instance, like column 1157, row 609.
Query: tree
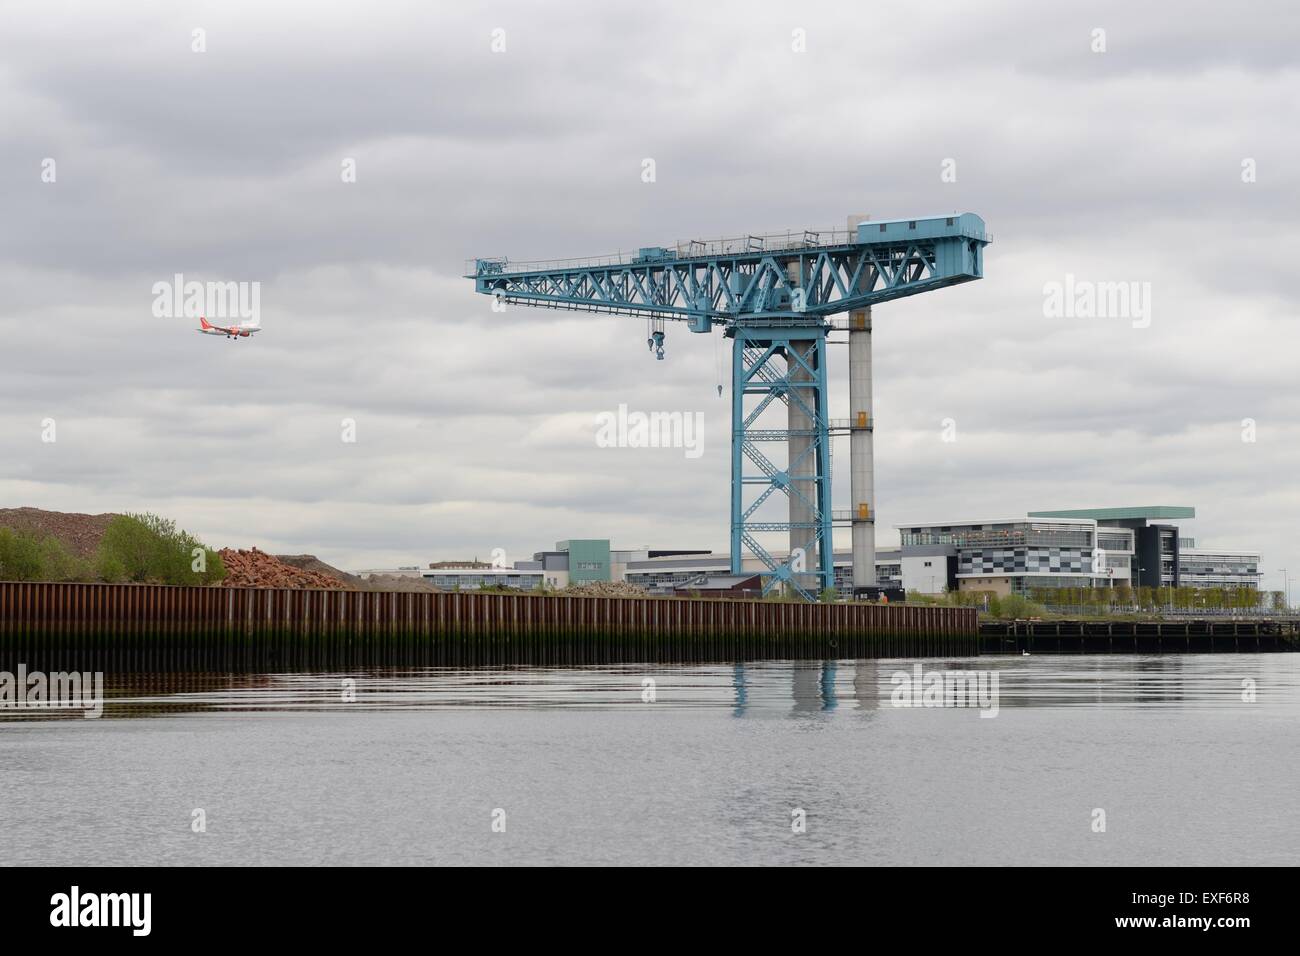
column 20, row 556
column 26, row 557
column 59, row 564
column 147, row 548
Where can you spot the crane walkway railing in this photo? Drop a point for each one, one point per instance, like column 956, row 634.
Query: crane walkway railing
column 684, row 249
column 846, row 425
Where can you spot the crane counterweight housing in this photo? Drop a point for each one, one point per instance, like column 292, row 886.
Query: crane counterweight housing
column 775, row 296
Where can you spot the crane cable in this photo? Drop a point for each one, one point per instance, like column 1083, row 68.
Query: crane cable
column 717, row 352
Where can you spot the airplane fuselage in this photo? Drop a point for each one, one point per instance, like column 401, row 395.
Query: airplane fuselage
column 235, row 332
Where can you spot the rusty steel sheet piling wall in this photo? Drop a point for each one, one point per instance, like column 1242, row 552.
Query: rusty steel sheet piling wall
column 1196, row 636
column 160, row 628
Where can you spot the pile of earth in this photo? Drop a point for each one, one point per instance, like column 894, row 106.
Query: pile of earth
column 255, row 568
column 79, row 533
column 375, row 582
column 309, row 562
column 619, row 589
column 397, row 582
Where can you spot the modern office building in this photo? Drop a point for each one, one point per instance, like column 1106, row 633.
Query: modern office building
column 1013, row 555
column 1164, row 557
column 470, row 579
column 1102, row 547
column 1084, row 548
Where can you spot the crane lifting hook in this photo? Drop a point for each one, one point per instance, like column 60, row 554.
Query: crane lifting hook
column 657, row 343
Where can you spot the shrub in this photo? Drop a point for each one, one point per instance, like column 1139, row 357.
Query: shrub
column 1013, row 606
column 20, row 556
column 26, row 557
column 147, row 548
column 109, row 568
column 59, row 564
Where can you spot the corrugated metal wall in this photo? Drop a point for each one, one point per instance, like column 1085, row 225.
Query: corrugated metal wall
column 162, row 628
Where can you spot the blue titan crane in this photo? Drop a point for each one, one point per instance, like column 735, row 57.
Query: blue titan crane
column 774, row 296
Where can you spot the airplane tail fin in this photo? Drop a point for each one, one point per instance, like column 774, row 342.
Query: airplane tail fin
column 203, row 323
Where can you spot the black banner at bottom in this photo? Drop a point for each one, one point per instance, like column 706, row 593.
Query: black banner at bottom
column 334, row 906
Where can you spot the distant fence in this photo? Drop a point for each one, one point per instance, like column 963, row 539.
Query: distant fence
column 1163, row 611
column 141, row 627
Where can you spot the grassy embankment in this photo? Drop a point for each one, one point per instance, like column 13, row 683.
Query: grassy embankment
column 1097, row 604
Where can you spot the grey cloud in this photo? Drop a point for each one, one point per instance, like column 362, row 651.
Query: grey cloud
column 1124, row 165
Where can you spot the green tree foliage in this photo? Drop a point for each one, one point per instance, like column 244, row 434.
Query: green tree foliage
column 147, row 548
column 1120, row 599
column 26, row 557
column 20, row 556
column 1016, row 607
column 59, row 564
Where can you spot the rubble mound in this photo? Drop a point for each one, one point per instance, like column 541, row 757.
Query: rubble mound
column 397, row 582
column 79, row 533
column 375, row 582
column 619, row 589
column 309, row 562
column 257, row 569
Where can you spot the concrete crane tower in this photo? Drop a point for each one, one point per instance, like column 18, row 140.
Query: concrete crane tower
column 775, row 297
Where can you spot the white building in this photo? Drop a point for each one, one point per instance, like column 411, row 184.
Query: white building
column 1106, row 547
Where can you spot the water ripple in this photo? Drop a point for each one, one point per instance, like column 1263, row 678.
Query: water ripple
column 771, row 688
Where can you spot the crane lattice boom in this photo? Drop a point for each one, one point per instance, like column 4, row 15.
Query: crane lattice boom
column 774, row 295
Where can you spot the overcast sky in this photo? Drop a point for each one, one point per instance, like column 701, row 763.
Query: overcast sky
column 476, row 430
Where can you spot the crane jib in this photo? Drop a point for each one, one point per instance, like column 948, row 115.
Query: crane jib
column 774, row 296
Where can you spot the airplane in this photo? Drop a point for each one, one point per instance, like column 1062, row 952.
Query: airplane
column 235, row 332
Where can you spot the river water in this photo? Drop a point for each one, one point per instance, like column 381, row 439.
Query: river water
column 1185, row 759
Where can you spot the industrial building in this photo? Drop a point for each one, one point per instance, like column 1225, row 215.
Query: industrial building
column 1082, row 548
column 575, row 561
column 779, row 298
column 1079, row 548
column 667, row 572
column 1164, row 557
